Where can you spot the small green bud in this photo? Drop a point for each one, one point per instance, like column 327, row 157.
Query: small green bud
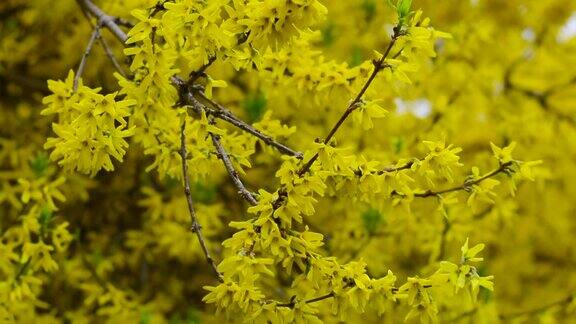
column 403, row 8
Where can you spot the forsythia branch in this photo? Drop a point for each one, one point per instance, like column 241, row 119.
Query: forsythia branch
column 464, row 186
column 105, row 44
column 199, row 108
column 196, row 227
column 222, row 113
column 105, row 19
column 354, row 104
column 93, row 37
column 309, row 301
column 223, row 155
column 201, row 71
column 405, row 166
column 225, row 114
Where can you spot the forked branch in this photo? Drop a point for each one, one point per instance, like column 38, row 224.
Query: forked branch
column 82, row 65
column 199, row 108
column 106, row 20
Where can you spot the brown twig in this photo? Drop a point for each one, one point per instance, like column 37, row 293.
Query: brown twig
column 104, row 19
column 105, row 45
column 292, row 303
column 354, row 104
column 199, row 108
column 111, row 56
column 223, row 113
column 82, row 64
column 123, row 22
column 390, row 169
column 196, row 228
column 201, row 71
column 464, row 186
column 223, row 155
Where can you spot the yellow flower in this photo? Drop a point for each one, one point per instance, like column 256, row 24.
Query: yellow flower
column 39, row 255
column 504, row 155
column 214, row 84
column 366, row 111
column 469, row 254
column 61, row 238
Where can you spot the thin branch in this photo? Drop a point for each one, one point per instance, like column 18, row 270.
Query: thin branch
column 158, row 7
column 201, row 71
column 196, row 228
column 106, row 20
column 317, row 299
column 292, row 303
column 225, row 114
column 405, row 166
column 82, row 65
column 354, row 104
column 123, row 22
column 105, row 45
column 223, row 155
column 464, row 186
column 391, row 168
column 199, row 108
column 111, row 56
column 446, row 225
column 112, row 24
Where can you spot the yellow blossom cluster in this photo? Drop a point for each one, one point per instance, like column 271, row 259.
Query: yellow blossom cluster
column 287, row 161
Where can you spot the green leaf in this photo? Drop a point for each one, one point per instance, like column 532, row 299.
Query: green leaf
column 145, row 317
column 203, row 192
column 44, row 219
column 328, row 34
column 255, row 106
column 10, row 26
column 403, row 8
column 171, row 182
column 372, row 219
column 39, row 164
column 369, row 7
column 193, row 316
column 356, row 58
column 398, row 144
